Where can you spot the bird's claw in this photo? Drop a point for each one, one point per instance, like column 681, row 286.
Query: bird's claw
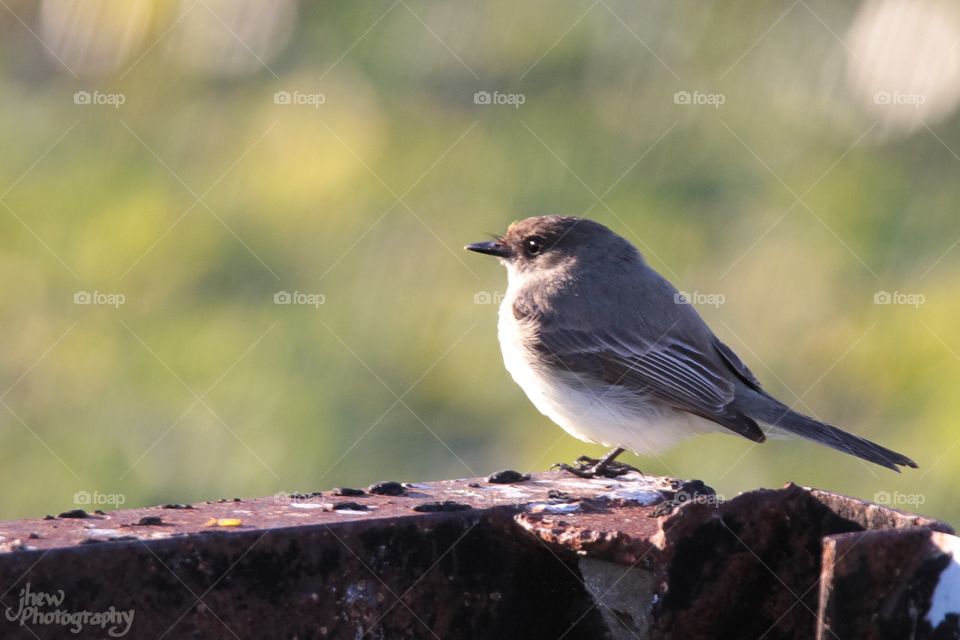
column 587, row 467
column 582, row 472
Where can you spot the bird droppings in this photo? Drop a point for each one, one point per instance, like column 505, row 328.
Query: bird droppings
column 108, row 535
column 150, row 521
column 548, row 507
column 15, row 546
column 310, row 505
column 510, row 491
column 584, row 484
column 74, row 513
column 507, row 476
column 637, row 495
column 386, row 488
column 161, row 535
column 946, row 596
column 349, row 506
column 446, row 505
column 347, row 492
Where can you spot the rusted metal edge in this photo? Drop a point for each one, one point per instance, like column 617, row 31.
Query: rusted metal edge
column 547, row 554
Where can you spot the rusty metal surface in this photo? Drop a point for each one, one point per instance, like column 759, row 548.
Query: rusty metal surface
column 449, row 575
column 233, row 515
column 880, row 585
column 443, row 559
column 620, row 524
column 874, row 516
column 765, row 547
column 744, row 568
column 503, row 556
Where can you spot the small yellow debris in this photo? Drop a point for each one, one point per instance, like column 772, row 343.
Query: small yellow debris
column 223, row 522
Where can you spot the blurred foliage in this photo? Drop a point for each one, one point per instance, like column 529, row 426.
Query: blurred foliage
column 202, row 195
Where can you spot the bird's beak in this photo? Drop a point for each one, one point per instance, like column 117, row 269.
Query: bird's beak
column 496, row 248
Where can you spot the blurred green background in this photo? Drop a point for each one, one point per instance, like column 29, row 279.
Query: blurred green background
column 178, row 165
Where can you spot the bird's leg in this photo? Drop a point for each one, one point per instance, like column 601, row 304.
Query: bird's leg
column 605, row 467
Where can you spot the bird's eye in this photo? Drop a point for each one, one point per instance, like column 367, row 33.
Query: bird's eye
column 533, row 245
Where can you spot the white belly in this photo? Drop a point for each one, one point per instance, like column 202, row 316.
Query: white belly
column 613, row 416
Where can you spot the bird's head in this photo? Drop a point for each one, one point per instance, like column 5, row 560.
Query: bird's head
column 545, row 242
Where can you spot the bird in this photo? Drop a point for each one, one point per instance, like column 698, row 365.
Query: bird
column 613, row 353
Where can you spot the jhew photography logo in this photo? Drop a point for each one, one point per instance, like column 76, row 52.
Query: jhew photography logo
column 299, row 297
column 512, row 99
column 698, row 297
column 698, row 98
column 299, row 98
column 899, row 499
column 39, row 608
column 99, row 297
column 914, row 100
column 114, row 100
column 487, row 297
column 899, row 297
column 95, row 498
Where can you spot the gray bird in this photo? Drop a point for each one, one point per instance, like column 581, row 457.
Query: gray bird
column 608, row 349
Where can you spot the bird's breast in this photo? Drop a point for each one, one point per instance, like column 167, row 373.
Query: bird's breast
column 587, row 409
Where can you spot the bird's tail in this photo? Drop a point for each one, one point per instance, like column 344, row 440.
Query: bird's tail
column 772, row 412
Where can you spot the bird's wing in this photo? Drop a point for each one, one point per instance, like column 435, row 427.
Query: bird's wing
column 678, row 374
column 736, row 364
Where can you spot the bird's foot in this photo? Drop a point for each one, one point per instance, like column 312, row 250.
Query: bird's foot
column 587, row 467
column 585, row 472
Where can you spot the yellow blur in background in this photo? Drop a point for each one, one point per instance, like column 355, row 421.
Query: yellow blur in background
column 231, row 231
